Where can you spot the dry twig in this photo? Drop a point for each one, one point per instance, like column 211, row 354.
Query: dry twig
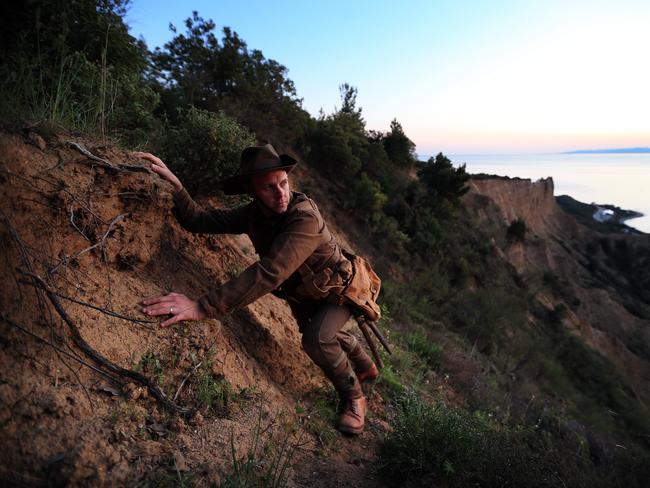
column 107, row 164
column 100, row 242
column 103, row 162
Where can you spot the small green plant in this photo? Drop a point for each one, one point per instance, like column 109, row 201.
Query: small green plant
column 150, row 364
column 170, row 477
column 389, row 379
column 265, row 464
column 123, row 413
column 429, row 352
column 319, row 419
column 323, row 418
column 213, row 392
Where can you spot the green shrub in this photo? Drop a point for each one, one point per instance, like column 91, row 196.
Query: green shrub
column 517, row 230
column 203, row 148
column 434, row 445
column 368, row 198
column 483, row 315
column 429, row 442
column 74, row 65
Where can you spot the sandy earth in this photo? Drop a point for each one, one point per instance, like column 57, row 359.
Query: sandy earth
column 106, row 237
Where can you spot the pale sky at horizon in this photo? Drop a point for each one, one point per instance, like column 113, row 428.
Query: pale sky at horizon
column 461, row 77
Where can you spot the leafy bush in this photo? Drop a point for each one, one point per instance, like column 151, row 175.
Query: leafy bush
column 429, row 443
column 483, row 315
column 204, row 148
column 433, row 445
column 517, row 230
column 368, row 198
column 334, row 150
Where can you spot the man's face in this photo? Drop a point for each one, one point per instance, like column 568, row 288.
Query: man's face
column 272, row 189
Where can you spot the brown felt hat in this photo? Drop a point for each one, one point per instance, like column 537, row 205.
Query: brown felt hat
column 256, row 160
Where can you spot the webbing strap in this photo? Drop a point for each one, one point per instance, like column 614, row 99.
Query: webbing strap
column 339, row 360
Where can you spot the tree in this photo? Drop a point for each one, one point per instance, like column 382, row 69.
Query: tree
column 349, row 99
column 442, row 181
column 400, row 149
column 196, row 69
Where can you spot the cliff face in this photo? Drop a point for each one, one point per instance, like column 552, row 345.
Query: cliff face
column 572, row 265
column 518, row 198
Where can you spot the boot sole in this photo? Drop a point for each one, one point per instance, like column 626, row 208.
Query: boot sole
column 348, row 430
column 369, row 380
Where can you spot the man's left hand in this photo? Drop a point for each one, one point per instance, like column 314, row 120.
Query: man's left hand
column 177, row 305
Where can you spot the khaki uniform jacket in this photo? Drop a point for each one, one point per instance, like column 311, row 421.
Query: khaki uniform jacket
column 285, row 244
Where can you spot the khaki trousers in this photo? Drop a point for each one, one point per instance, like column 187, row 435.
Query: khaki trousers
column 336, row 351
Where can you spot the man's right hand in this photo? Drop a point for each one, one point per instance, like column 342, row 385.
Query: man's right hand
column 157, row 166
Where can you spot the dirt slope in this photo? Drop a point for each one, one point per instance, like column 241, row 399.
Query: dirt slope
column 105, row 236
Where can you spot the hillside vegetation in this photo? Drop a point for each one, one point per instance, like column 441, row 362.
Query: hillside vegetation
column 521, row 338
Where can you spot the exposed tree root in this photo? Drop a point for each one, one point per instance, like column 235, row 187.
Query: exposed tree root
column 134, row 376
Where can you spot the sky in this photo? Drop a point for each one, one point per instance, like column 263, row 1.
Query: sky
column 465, row 77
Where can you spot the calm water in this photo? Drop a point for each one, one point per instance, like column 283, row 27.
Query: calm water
column 617, row 179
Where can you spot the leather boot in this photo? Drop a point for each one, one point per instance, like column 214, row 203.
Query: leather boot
column 352, row 416
column 345, row 381
column 369, row 374
column 363, row 365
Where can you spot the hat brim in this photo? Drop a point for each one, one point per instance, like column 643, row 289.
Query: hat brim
column 236, row 185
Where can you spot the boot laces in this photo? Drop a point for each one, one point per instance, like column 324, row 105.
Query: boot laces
column 354, row 407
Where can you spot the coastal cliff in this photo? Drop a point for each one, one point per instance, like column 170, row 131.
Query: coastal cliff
column 600, row 280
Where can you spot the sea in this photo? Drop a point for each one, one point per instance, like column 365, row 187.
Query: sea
column 617, row 179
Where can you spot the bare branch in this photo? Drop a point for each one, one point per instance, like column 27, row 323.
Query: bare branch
column 107, row 164
column 89, row 155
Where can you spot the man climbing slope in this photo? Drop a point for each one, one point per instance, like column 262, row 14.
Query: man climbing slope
column 300, row 261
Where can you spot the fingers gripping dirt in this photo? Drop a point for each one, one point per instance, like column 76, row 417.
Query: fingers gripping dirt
column 157, row 166
column 177, row 305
